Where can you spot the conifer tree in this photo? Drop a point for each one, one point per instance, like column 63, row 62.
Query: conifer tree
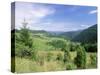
column 80, row 59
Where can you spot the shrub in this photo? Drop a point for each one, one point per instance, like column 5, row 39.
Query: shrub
column 90, row 47
column 80, row 59
column 73, row 46
column 70, row 66
column 60, row 57
column 58, row 43
column 66, row 56
column 93, row 60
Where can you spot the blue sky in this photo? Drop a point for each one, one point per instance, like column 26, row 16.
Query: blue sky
column 55, row 17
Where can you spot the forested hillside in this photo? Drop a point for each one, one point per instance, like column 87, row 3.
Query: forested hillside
column 88, row 35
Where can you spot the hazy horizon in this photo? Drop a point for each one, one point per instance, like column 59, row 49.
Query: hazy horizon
column 58, row 31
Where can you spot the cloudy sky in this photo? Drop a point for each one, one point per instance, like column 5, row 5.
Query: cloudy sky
column 53, row 17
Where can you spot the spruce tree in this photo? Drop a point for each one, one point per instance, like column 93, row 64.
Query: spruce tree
column 25, row 35
column 26, row 40
column 80, row 59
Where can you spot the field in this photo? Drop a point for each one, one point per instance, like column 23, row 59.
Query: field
column 26, row 65
column 44, row 52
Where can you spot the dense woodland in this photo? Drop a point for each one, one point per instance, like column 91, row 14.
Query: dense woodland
column 40, row 50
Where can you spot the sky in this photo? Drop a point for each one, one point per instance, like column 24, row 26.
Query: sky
column 54, row 17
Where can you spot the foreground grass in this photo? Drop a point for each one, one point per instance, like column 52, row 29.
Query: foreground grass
column 28, row 65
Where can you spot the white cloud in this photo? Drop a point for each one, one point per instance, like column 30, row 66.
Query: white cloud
column 52, row 26
column 93, row 12
column 84, row 25
column 33, row 13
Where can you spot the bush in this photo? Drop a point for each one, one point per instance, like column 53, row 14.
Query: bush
column 67, row 56
column 70, row 66
column 73, row 46
column 57, row 43
column 93, row 60
column 59, row 57
column 90, row 47
column 80, row 59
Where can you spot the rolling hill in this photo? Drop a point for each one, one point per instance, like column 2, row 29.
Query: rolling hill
column 88, row 35
column 70, row 34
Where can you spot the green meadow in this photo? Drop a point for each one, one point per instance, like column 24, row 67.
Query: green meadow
column 42, row 65
column 39, row 51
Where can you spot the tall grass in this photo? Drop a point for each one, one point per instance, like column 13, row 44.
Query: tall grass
column 23, row 65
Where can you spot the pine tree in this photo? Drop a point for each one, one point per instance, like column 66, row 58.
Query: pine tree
column 26, row 40
column 80, row 59
column 25, row 35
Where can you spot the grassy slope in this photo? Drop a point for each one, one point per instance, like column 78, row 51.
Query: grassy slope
column 40, row 44
column 26, row 65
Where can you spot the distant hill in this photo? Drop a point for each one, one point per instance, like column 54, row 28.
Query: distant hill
column 70, row 34
column 38, row 31
column 55, row 32
column 88, row 35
